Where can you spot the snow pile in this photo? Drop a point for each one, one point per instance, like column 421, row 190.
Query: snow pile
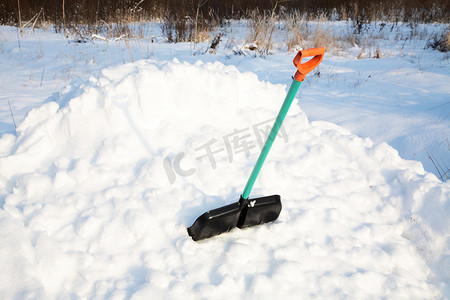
column 101, row 181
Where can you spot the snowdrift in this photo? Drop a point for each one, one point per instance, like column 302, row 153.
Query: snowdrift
column 99, row 184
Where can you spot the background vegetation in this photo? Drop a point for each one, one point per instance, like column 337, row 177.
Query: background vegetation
column 91, row 12
column 199, row 20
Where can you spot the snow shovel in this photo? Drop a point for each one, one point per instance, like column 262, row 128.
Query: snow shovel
column 250, row 212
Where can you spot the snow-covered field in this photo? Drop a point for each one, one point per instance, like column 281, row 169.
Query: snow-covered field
column 121, row 145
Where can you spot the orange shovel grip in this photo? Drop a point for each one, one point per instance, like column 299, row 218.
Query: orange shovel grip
column 305, row 68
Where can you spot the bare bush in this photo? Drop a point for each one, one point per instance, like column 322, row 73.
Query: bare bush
column 440, row 41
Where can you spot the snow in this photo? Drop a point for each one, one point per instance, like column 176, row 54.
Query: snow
column 100, row 180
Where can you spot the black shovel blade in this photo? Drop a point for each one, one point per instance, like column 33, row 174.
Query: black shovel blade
column 216, row 221
column 259, row 211
column 242, row 214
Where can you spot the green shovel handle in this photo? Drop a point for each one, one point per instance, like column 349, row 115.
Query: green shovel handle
column 302, row 70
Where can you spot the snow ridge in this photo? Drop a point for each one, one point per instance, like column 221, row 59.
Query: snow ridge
column 89, row 210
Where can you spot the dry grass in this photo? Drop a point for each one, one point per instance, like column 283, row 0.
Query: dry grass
column 323, row 37
column 297, row 31
column 447, row 39
column 440, row 41
column 295, row 23
column 261, row 29
column 441, row 167
column 270, row 31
